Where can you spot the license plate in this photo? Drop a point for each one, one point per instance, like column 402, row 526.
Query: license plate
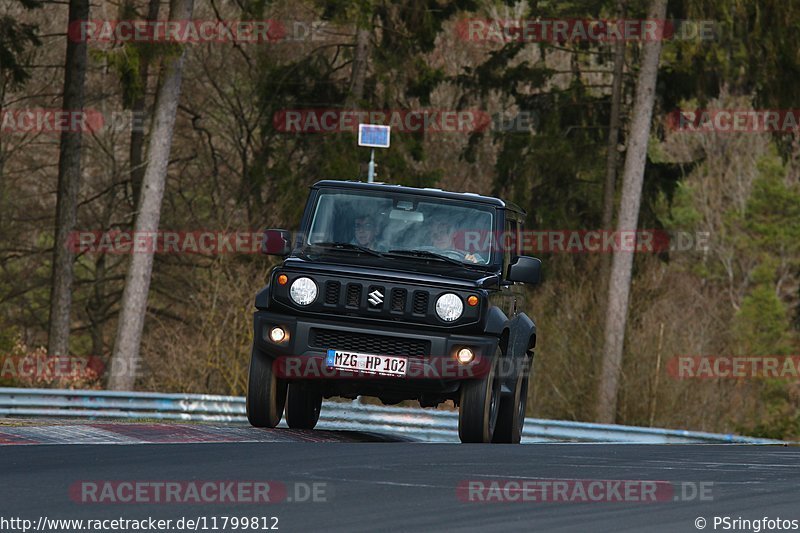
column 385, row 365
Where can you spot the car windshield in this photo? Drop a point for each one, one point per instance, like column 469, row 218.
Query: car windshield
column 402, row 225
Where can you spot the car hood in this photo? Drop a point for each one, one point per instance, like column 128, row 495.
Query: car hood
column 412, row 270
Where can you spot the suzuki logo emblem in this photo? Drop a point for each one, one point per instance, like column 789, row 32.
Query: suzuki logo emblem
column 375, row 298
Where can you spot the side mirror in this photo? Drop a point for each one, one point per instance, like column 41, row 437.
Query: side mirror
column 525, row 269
column 277, row 242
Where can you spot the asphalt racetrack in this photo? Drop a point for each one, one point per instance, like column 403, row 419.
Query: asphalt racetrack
column 339, row 481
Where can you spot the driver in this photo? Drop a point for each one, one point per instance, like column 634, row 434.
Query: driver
column 443, row 238
column 442, row 235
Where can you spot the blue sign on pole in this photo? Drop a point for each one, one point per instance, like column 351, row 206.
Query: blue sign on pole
column 373, row 136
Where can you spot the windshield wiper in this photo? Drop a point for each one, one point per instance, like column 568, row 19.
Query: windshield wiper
column 426, row 254
column 347, row 246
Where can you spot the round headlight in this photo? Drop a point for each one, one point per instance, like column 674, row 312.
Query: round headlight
column 303, row 291
column 449, row 307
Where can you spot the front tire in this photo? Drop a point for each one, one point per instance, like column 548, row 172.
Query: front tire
column 511, row 417
column 303, row 406
column 479, row 405
column 266, row 394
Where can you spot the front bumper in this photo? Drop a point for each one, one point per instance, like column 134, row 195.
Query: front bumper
column 301, row 356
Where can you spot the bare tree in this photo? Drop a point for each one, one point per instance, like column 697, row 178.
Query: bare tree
column 137, row 109
column 69, row 179
column 359, row 68
column 632, row 180
column 125, row 357
column 614, row 122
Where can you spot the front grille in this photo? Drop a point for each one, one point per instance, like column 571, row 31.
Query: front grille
column 389, row 300
column 399, row 300
column 332, row 292
column 366, row 343
column 420, row 302
column 353, row 295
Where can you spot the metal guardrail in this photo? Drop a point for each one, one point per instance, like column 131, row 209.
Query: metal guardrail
column 414, row 423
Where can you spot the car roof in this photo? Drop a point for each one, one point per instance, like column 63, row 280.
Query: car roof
column 437, row 193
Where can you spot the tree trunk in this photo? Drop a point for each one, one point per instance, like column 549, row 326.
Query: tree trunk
column 632, row 180
column 94, row 307
column 137, row 110
column 125, row 357
column 358, row 72
column 69, row 179
column 613, row 129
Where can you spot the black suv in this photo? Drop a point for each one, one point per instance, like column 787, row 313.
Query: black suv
column 398, row 293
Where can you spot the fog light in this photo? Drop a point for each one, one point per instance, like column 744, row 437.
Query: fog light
column 277, row 334
column 465, row 356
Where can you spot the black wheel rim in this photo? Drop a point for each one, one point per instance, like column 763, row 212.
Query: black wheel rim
column 494, row 403
column 523, row 400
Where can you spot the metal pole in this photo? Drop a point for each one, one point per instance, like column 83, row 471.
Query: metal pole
column 371, row 167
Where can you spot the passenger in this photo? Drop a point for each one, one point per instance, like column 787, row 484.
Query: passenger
column 365, row 231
